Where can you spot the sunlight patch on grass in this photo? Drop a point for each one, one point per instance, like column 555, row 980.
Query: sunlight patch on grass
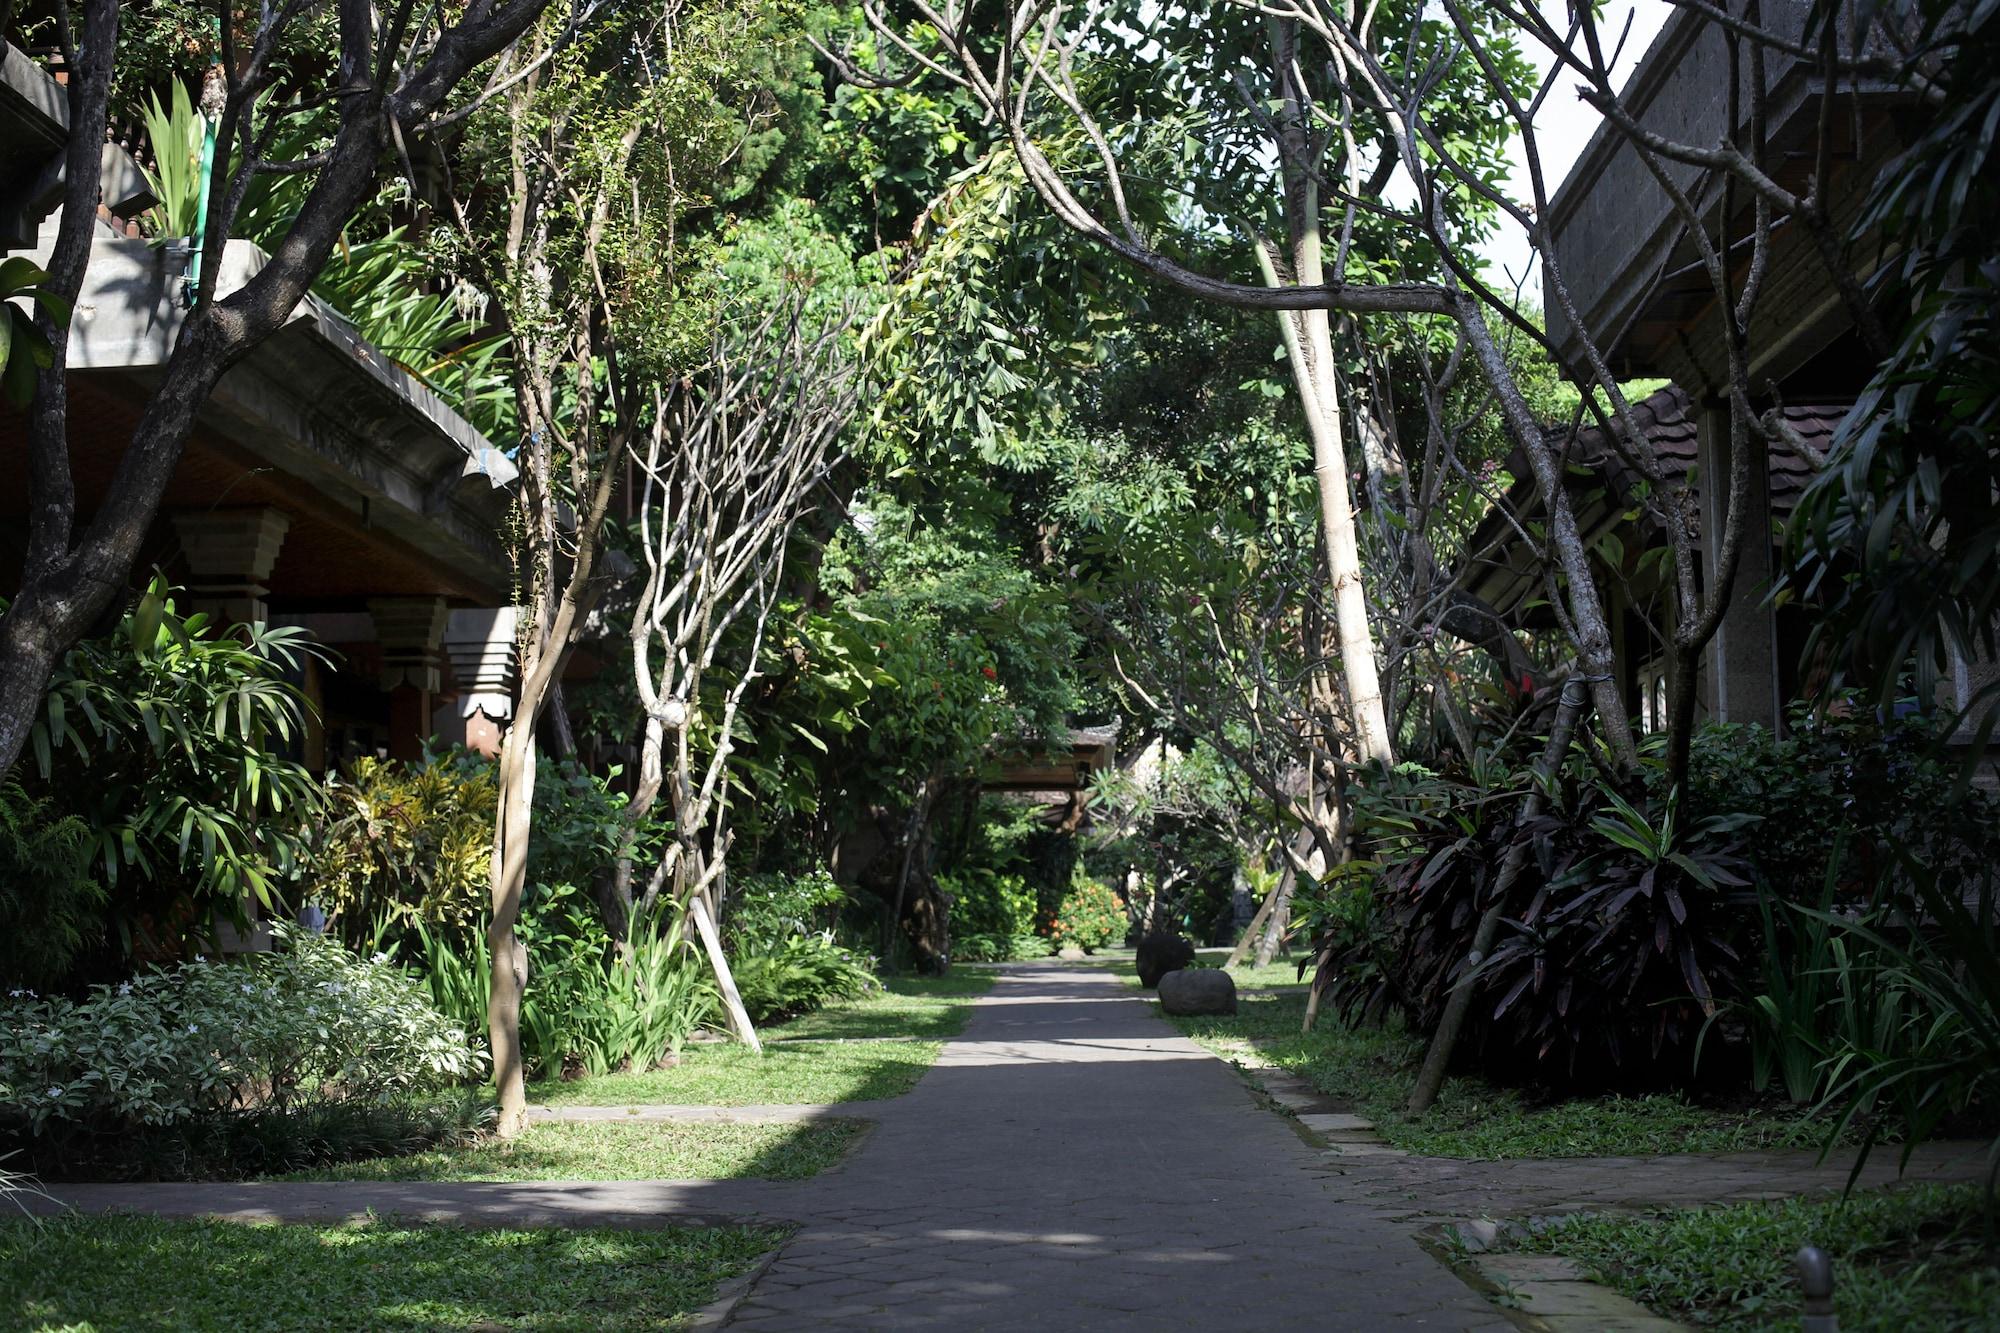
column 644, row 1150
column 787, row 1074
column 928, row 1007
column 836, row 1055
column 144, row 1272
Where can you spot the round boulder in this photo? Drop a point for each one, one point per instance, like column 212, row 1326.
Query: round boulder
column 1162, row 952
column 1194, row 991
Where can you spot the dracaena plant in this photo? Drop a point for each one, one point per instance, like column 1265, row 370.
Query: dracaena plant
column 167, row 738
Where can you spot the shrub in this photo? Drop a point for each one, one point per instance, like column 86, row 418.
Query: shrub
column 166, row 738
column 1091, row 916
column 785, row 978
column 408, row 844
column 405, row 844
column 1621, row 937
column 999, row 948
column 590, row 1007
column 50, row 902
column 1844, row 778
column 768, row 908
column 272, row 1034
column 986, row 902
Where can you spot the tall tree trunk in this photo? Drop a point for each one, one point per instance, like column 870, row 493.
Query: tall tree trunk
column 1308, row 339
column 510, row 958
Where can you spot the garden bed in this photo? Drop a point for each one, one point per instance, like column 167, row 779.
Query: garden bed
column 1371, row 1070
column 143, row 1272
column 1908, row 1261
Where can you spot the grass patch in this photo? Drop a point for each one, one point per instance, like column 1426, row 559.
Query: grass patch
column 1371, row 1071
column 642, row 1150
column 787, row 1074
column 1909, row 1261
column 927, row 1007
column 835, row 1055
column 145, row 1272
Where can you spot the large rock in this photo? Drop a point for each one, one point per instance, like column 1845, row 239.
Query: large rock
column 1198, row 990
column 1162, row 952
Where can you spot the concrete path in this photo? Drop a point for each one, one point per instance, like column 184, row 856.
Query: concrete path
column 1071, row 1162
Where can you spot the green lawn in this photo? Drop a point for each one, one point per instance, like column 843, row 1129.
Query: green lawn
column 835, row 1055
column 142, row 1272
column 928, row 1007
column 1911, row 1261
column 641, row 1150
column 1371, row 1072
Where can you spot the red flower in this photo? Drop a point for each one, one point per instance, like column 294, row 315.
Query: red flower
column 989, row 673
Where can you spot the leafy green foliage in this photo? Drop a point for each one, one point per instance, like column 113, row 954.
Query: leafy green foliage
column 23, row 349
column 767, row 908
column 50, row 901
column 272, row 1033
column 168, row 739
column 404, row 843
column 988, row 948
column 590, row 1007
column 1896, row 538
column 781, row 978
column 1845, row 779
column 1921, row 1027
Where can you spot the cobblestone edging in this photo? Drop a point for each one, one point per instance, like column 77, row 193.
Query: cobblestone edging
column 1452, row 1203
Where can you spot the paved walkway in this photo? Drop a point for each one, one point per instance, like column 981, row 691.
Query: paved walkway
column 1073, row 1162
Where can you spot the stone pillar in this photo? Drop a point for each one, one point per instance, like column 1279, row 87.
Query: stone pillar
column 1740, row 670
column 480, row 644
column 409, row 630
column 230, row 553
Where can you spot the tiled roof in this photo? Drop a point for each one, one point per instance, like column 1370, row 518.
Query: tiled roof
column 1667, row 421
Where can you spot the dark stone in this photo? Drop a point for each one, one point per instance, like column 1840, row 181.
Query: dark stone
column 1162, row 952
column 1198, row 990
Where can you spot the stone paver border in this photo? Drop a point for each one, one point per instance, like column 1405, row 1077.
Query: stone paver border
column 1546, row 1292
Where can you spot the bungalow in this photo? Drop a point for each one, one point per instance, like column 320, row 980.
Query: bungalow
column 324, row 486
column 1631, row 268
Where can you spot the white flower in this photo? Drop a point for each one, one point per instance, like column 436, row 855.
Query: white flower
column 56, row 1091
column 124, row 988
column 380, row 958
column 193, row 1028
column 17, row 994
column 249, row 989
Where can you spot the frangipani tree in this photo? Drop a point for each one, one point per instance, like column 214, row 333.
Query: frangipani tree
column 728, row 466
